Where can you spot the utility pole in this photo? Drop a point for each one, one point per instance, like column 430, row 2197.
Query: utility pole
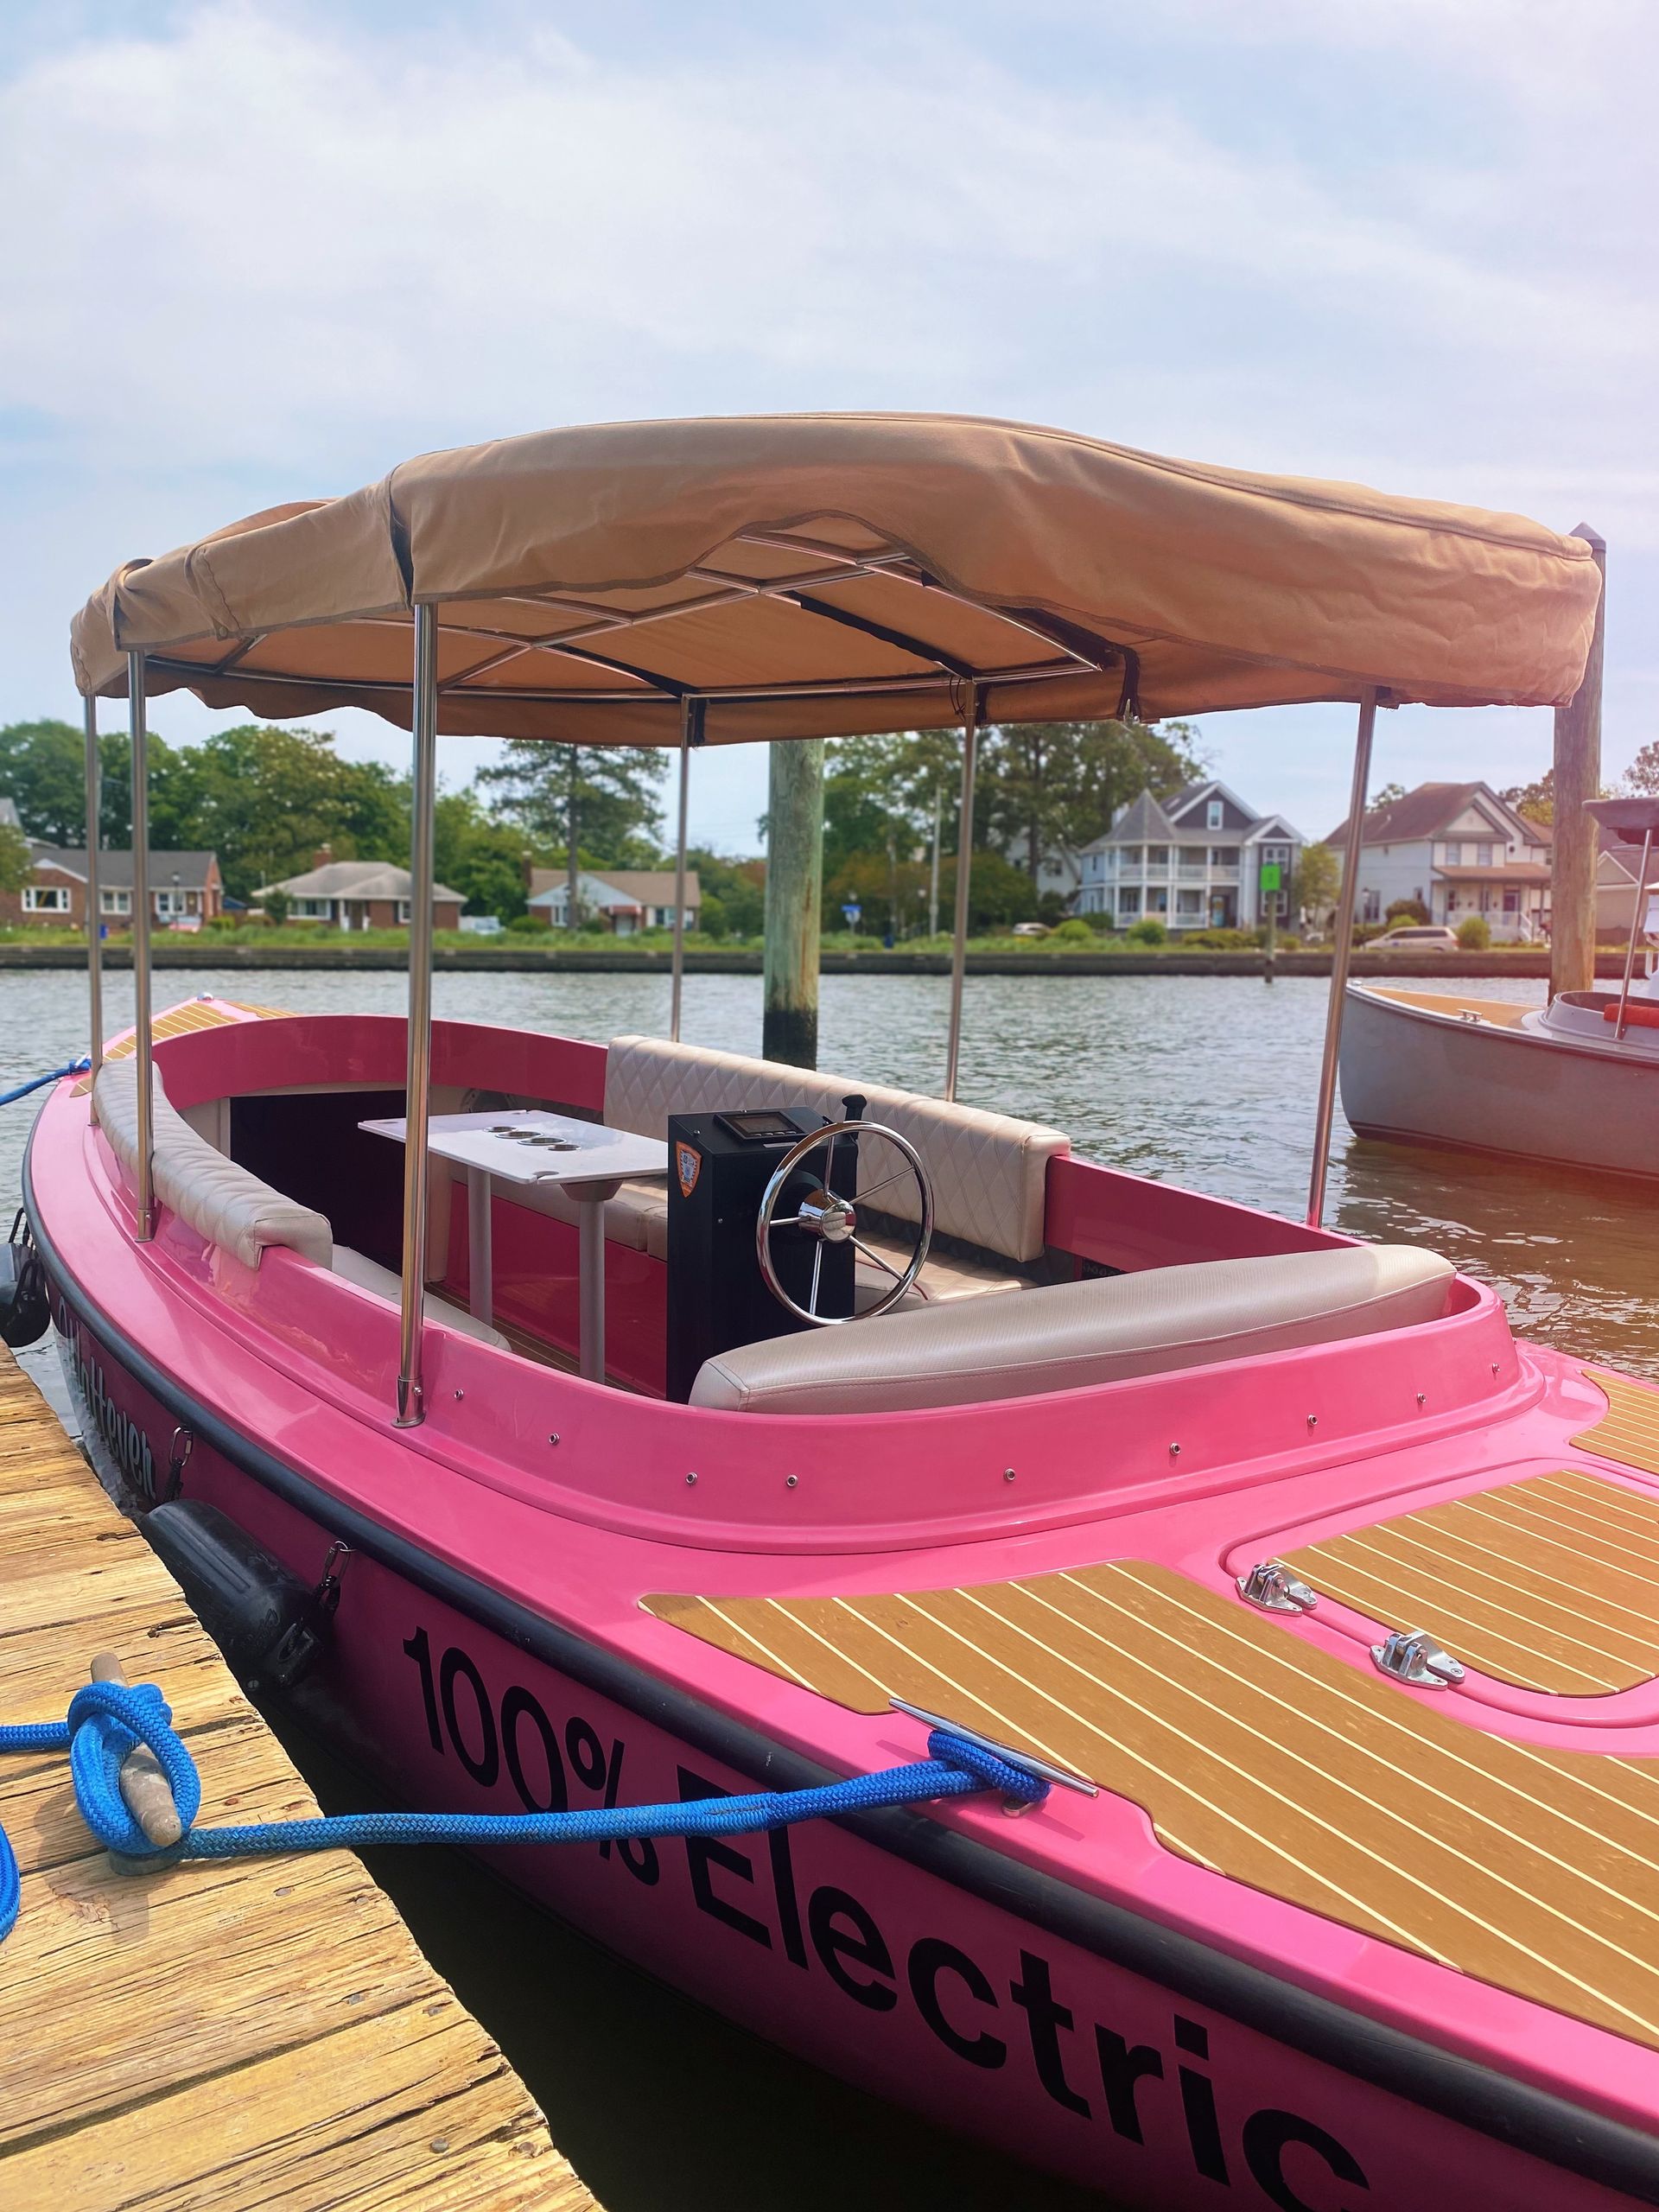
column 1578, row 777
column 933, row 880
column 794, row 901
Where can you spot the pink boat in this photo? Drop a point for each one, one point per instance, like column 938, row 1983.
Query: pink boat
column 1327, row 1607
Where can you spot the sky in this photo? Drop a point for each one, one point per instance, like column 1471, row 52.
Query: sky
column 257, row 253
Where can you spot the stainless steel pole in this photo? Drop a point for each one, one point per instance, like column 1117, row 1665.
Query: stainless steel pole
column 411, row 1409
column 676, row 990
column 965, row 871
column 1637, row 915
column 94, row 904
column 1340, row 955
column 146, row 1114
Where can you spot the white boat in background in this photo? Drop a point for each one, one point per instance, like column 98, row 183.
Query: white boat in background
column 1576, row 1082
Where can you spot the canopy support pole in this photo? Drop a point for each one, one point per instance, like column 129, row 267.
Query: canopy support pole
column 141, row 1027
column 1341, row 954
column 676, row 990
column 964, row 871
column 411, row 1409
column 94, row 903
column 1576, row 852
column 1638, row 915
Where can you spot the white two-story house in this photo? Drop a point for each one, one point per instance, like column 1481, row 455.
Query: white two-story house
column 1458, row 849
column 1195, row 861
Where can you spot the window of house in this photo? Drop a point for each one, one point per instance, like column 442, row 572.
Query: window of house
column 1483, row 854
column 1220, row 857
column 169, row 905
column 114, row 902
column 1189, row 902
column 1157, row 855
column 403, row 910
column 1214, row 814
column 1370, row 906
column 1511, row 902
column 1157, row 900
column 1128, row 900
column 46, row 898
column 1454, row 853
column 1192, row 856
column 313, row 910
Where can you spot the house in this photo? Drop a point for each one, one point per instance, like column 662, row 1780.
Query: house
column 1193, row 861
column 185, row 888
column 360, row 895
column 620, row 900
column 1458, row 849
column 1616, row 866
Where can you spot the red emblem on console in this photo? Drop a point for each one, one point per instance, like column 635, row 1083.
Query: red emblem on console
column 688, row 1165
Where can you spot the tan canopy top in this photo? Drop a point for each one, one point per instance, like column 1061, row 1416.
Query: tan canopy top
column 808, row 576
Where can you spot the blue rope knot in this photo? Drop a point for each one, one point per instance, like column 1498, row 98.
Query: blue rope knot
column 106, row 1721
column 38, row 1083
column 990, row 1772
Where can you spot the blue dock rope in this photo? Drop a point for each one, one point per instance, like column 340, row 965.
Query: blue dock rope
column 106, row 1720
column 40, row 1082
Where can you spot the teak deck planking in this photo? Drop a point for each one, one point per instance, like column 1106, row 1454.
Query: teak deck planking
column 222, row 2035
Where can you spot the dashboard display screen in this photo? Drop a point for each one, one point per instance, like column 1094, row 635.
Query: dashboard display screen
column 754, row 1126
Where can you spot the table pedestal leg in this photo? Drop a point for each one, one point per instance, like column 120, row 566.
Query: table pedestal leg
column 590, row 1261
column 479, row 1261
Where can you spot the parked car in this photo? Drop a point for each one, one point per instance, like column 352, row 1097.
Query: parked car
column 1418, row 937
column 1032, row 929
column 481, row 925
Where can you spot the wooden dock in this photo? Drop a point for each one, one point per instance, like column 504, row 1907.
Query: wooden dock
column 214, row 2036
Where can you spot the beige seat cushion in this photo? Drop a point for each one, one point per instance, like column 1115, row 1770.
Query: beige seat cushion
column 989, row 1171
column 636, row 1217
column 1067, row 1336
column 368, row 1274
column 225, row 1204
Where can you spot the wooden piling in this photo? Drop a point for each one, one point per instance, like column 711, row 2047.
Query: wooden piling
column 1578, row 777
column 794, row 901
column 233, row 2034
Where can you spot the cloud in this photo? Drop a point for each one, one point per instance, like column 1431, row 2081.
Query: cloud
column 254, row 251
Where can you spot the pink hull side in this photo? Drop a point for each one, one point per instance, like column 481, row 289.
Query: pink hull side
column 874, row 1968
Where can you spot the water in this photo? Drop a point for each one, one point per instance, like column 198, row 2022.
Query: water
column 1207, row 1081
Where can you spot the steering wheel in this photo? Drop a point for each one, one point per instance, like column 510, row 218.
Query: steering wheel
column 831, row 1219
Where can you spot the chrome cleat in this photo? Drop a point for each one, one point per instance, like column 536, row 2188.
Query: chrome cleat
column 1271, row 1586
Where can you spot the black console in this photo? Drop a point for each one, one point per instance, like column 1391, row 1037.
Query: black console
column 719, row 1166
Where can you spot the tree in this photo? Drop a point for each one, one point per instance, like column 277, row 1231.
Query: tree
column 1317, row 880
column 482, row 856
column 266, row 797
column 738, row 889
column 17, row 860
column 1642, row 777
column 601, row 802
column 43, row 768
column 1535, row 800
column 1051, row 788
column 1386, row 797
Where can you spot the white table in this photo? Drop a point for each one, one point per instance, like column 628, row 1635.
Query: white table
column 585, row 1159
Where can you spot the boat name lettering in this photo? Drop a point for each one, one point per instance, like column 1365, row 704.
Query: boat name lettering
column 953, row 1995
column 126, row 1442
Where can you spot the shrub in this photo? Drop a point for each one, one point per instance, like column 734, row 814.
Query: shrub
column 1074, row 931
column 1148, row 931
column 1406, row 910
column 1223, row 940
column 532, row 925
column 1475, row 933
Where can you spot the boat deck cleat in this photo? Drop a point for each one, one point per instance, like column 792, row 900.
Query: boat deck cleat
column 1275, row 1588
column 1412, row 1656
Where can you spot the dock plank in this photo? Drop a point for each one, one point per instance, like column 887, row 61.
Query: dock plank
column 218, row 2035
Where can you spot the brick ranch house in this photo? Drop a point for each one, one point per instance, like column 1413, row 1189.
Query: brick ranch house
column 360, row 895
column 620, row 899
column 185, row 888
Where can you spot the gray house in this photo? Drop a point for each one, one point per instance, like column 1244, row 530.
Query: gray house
column 1194, row 861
